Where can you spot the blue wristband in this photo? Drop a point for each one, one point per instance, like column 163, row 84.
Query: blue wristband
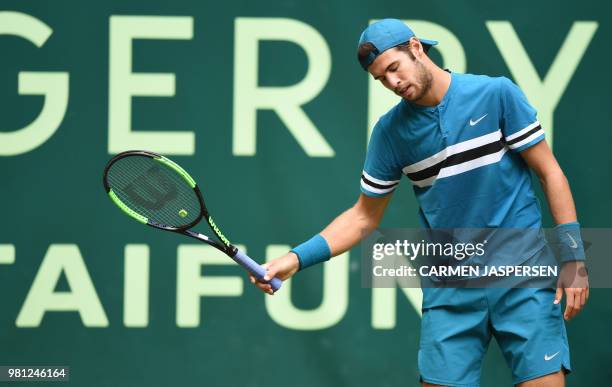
column 313, row 251
column 569, row 242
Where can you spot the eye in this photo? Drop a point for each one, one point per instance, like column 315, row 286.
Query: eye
column 394, row 67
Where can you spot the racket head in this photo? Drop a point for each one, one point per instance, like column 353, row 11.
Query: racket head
column 154, row 190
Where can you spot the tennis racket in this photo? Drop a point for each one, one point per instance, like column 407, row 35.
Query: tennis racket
column 159, row 193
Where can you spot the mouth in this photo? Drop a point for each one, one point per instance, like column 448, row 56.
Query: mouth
column 404, row 91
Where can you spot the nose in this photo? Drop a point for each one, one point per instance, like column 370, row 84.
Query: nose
column 391, row 81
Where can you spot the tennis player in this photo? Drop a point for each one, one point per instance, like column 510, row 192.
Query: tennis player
column 467, row 144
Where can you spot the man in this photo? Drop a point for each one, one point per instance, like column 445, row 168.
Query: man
column 466, row 143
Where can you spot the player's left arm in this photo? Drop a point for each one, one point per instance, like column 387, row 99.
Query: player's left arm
column 541, row 160
column 554, row 183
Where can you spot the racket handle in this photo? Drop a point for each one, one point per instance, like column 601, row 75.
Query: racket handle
column 256, row 269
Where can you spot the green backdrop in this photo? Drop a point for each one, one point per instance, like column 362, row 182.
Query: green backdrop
column 276, row 163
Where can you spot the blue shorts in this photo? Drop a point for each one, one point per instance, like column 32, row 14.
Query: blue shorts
column 458, row 324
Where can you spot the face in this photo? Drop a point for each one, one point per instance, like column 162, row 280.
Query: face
column 398, row 72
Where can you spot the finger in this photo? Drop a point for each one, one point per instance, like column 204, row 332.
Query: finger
column 266, row 266
column 587, row 293
column 583, row 298
column 569, row 304
column 577, row 307
column 262, row 285
column 559, row 295
column 577, row 302
column 265, row 287
column 271, row 272
column 258, row 284
column 255, row 281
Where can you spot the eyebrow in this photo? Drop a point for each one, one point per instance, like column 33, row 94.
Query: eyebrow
column 387, row 69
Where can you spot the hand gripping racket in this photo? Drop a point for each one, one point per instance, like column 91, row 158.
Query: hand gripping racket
column 159, row 193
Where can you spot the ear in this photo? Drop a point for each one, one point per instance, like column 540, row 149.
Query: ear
column 416, row 47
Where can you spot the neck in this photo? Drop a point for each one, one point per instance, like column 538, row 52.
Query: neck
column 440, row 83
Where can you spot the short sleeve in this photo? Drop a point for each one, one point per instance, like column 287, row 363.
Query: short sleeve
column 519, row 123
column 380, row 174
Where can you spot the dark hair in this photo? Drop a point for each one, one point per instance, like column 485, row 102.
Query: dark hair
column 365, row 49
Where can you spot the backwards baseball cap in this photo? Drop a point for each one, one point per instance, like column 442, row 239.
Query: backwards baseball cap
column 385, row 34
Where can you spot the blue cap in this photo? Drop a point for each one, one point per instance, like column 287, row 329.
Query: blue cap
column 385, row 34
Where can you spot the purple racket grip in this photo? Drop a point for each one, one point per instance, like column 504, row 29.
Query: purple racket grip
column 256, row 269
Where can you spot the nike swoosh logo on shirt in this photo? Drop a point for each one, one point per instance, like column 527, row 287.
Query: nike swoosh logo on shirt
column 472, row 123
column 547, row 358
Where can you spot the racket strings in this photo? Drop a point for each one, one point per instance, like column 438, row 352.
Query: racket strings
column 154, row 191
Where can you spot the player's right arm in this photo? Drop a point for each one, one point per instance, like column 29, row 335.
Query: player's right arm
column 341, row 235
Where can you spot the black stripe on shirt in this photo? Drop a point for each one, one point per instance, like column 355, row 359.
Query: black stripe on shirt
column 524, row 136
column 457, row 158
column 376, row 185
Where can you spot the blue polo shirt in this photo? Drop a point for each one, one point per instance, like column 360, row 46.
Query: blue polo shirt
column 461, row 156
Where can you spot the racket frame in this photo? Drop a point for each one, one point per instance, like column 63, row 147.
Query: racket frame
column 222, row 244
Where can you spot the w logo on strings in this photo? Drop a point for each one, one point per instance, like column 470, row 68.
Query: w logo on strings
column 152, row 196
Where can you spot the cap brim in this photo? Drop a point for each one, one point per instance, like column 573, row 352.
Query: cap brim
column 428, row 43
